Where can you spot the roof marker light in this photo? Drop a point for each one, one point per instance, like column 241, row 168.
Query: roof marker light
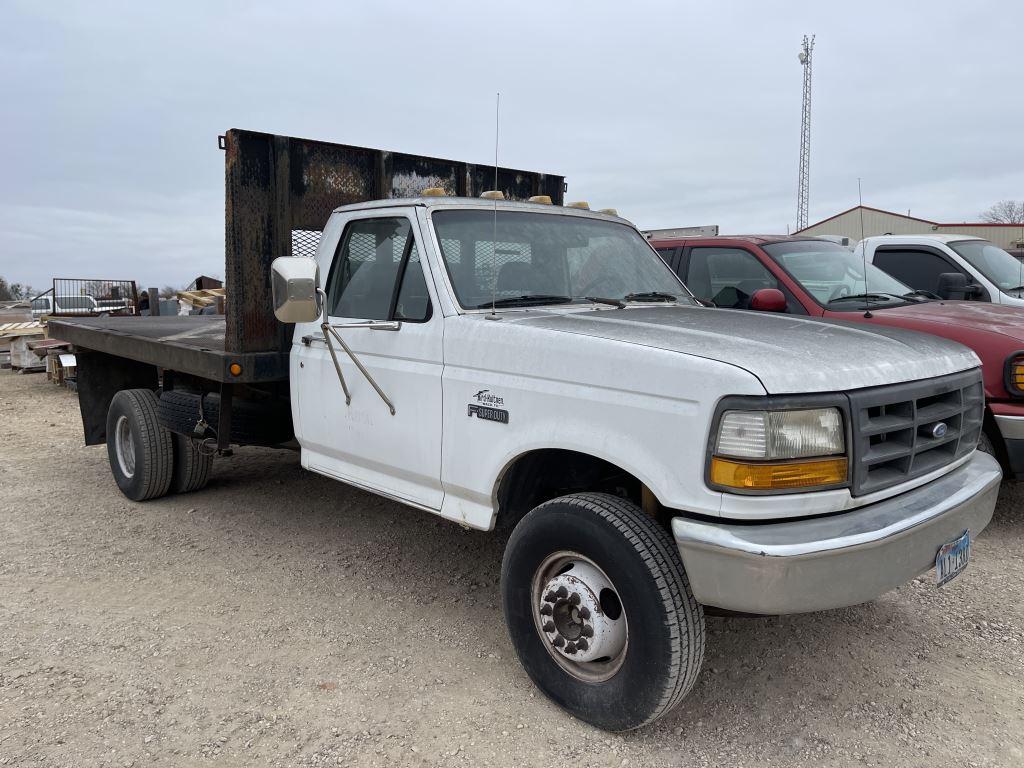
column 493, row 194
column 540, row 199
column 582, row 204
column 434, row 192
column 609, row 211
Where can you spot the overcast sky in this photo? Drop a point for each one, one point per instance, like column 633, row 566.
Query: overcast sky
column 675, row 114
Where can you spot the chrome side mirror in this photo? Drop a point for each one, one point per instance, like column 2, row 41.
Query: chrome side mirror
column 295, row 283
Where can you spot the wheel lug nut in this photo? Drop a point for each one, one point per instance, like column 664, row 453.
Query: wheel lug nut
column 545, row 610
column 582, row 644
column 549, row 626
column 574, row 598
column 562, row 592
column 558, row 642
column 550, row 596
column 588, row 631
column 570, row 648
column 585, row 612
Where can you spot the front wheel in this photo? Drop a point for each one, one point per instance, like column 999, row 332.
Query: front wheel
column 600, row 611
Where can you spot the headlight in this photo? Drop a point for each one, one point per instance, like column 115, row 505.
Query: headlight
column 779, row 450
column 1015, row 374
column 780, row 434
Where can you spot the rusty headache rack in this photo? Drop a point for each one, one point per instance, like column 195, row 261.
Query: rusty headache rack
column 281, row 190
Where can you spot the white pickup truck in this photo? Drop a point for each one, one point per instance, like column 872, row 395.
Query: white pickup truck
column 540, row 369
column 949, row 266
column 520, row 363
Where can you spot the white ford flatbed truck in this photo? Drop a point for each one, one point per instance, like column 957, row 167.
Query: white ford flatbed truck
column 540, row 369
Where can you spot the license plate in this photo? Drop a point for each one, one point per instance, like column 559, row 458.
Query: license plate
column 952, row 559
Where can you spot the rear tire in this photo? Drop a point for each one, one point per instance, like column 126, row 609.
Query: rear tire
column 191, row 467
column 139, row 450
column 601, row 553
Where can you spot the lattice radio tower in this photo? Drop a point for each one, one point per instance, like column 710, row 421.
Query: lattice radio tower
column 804, row 190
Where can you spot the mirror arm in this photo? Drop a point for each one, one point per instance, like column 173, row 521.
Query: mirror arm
column 330, row 331
column 334, row 357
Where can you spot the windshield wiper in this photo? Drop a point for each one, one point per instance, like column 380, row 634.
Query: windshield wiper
column 1018, row 288
column 866, row 296
column 920, row 294
column 526, row 300
column 650, row 296
column 611, row 302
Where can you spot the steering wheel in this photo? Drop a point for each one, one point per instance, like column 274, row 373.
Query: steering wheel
column 838, row 293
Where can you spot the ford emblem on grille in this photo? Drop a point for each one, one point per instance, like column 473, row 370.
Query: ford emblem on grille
column 940, row 429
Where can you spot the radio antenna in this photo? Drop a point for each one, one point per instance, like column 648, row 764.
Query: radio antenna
column 494, row 227
column 863, row 251
column 1020, row 273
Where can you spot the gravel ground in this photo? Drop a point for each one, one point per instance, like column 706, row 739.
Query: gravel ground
column 279, row 618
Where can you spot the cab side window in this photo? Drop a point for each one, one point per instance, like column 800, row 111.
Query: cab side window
column 377, row 274
column 918, row 269
column 727, row 276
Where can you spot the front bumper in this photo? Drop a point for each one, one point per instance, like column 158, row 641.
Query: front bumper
column 837, row 560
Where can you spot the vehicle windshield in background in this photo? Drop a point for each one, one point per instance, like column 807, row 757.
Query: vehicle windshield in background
column 535, row 259
column 76, row 303
column 992, row 261
column 834, row 275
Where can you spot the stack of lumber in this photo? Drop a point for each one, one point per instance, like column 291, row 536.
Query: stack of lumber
column 202, row 298
column 10, row 330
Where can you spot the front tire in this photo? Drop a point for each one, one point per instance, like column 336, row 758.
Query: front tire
column 600, row 611
column 139, row 450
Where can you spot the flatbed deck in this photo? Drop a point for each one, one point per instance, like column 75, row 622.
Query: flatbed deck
column 191, row 344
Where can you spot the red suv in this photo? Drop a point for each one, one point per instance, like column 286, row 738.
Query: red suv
column 819, row 279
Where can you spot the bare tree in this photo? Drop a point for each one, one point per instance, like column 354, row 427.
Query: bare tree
column 1004, row 212
column 9, row 291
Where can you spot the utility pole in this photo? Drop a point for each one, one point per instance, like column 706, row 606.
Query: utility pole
column 804, row 187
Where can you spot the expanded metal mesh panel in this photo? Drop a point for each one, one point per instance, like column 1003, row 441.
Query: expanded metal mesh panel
column 75, row 297
column 305, row 242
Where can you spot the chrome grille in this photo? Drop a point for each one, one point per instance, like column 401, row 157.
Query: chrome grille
column 894, row 428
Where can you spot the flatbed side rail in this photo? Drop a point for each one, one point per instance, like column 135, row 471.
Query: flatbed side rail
column 192, row 345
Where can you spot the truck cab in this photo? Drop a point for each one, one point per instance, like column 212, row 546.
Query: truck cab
column 519, row 365
column 949, row 266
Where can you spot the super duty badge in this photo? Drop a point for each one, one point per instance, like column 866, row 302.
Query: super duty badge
column 486, row 408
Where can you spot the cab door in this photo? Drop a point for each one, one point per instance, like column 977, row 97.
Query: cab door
column 379, row 303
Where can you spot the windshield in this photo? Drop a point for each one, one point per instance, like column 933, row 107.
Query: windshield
column 75, row 302
column 834, row 275
column 992, row 261
column 531, row 259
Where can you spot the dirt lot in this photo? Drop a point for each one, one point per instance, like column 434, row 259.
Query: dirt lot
column 278, row 618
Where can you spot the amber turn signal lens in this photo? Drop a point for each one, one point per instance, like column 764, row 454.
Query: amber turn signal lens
column 236, row 369
column 777, row 476
column 1017, row 376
